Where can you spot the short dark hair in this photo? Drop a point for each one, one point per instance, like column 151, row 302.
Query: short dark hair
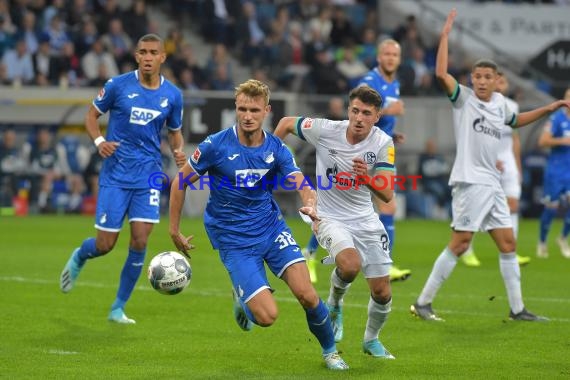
column 151, row 37
column 485, row 63
column 367, row 95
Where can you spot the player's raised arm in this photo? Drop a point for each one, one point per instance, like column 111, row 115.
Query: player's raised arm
column 177, row 195
column 446, row 80
column 285, row 126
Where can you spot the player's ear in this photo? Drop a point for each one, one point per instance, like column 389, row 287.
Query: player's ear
column 162, row 57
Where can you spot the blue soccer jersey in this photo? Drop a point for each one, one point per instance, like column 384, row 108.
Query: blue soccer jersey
column 559, row 158
column 136, row 117
column 241, row 211
column 390, row 92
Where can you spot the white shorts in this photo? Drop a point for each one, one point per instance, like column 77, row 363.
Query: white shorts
column 479, row 208
column 368, row 238
column 510, row 179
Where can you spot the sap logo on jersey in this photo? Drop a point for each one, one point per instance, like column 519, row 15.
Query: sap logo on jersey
column 143, row 116
column 249, row 177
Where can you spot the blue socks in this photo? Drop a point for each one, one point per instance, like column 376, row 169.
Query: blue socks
column 87, row 250
column 320, row 325
column 388, row 222
column 129, row 276
column 313, row 244
column 546, row 218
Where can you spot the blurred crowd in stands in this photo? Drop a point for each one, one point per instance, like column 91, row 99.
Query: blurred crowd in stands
column 310, row 46
column 320, row 46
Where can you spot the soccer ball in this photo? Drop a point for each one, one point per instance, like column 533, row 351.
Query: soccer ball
column 169, row 273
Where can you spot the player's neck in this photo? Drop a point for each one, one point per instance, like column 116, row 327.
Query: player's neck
column 150, row 81
column 353, row 138
column 388, row 77
column 251, row 139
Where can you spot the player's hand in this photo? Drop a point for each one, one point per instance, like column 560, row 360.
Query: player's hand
column 179, row 158
column 500, row 165
column 399, row 138
column 449, row 22
column 107, row 148
column 311, row 212
column 182, row 242
column 359, row 167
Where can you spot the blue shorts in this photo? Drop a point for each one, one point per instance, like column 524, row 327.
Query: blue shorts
column 555, row 188
column 245, row 265
column 113, row 203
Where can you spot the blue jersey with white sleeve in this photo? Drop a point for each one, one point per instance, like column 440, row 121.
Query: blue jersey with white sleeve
column 136, row 117
column 389, row 91
column 559, row 157
column 241, row 211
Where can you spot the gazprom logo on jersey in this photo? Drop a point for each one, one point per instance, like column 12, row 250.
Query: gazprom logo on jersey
column 143, row 116
column 249, row 177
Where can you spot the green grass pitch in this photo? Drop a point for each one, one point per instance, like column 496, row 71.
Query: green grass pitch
column 46, row 334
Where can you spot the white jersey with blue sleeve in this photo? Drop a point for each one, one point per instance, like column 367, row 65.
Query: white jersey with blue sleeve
column 241, row 211
column 136, row 117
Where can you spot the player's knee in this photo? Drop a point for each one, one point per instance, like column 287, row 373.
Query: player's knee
column 266, row 317
column 381, row 295
column 509, row 245
column 139, row 243
column 104, row 246
column 349, row 271
column 348, row 266
column 308, row 299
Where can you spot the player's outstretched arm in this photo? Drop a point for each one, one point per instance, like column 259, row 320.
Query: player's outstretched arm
column 446, row 80
column 308, row 196
column 285, row 126
column 177, row 195
column 105, row 148
column 535, row 114
column 176, row 142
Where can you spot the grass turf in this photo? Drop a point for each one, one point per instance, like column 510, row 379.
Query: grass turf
column 46, row 334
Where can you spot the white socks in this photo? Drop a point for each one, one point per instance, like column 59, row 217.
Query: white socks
column 377, row 316
column 511, row 273
column 442, row 268
column 338, row 289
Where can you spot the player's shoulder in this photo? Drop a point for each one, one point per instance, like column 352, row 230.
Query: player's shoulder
column 370, row 76
column 497, row 97
column 124, row 78
column 378, row 135
column 220, row 138
column 170, row 87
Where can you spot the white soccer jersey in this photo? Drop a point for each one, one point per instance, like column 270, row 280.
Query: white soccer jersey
column 338, row 196
column 479, row 128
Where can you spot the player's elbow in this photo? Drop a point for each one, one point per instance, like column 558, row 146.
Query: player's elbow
column 387, row 195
